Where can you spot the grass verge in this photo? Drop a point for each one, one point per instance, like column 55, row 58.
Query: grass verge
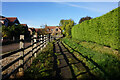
column 104, row 66
column 42, row 66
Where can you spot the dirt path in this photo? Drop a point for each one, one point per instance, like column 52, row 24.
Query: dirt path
column 65, row 64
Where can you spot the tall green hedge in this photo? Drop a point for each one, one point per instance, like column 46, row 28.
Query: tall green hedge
column 102, row 30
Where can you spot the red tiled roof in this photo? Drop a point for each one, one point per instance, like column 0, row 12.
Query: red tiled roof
column 24, row 24
column 50, row 27
column 31, row 28
column 38, row 29
column 11, row 19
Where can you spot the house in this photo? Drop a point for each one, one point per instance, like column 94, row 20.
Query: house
column 4, row 21
column 36, row 31
column 54, row 31
column 27, row 32
column 24, row 25
column 9, row 21
column 13, row 20
column 32, row 31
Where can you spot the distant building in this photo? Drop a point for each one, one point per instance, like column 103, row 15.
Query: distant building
column 54, row 31
column 36, row 31
column 32, row 31
column 24, row 25
column 27, row 33
column 9, row 21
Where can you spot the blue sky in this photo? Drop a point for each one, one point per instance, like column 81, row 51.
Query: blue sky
column 35, row 14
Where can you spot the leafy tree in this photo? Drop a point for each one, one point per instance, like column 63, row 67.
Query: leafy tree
column 15, row 30
column 66, row 26
column 41, row 32
column 84, row 18
column 6, row 32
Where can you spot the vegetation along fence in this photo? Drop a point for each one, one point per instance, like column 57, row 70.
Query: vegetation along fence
column 17, row 61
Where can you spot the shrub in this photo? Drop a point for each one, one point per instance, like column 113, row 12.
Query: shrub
column 102, row 30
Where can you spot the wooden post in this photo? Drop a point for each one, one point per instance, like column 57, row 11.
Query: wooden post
column 32, row 49
column 35, row 45
column 47, row 39
column 21, row 61
column 44, row 41
column 50, row 38
column 41, row 42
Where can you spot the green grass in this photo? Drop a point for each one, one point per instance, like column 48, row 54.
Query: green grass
column 107, row 68
column 99, row 48
column 0, row 29
column 42, row 65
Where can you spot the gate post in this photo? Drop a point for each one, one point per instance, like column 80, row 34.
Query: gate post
column 21, row 54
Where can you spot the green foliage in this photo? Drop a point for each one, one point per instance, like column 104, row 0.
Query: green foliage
column 100, row 48
column 0, row 29
column 42, row 65
column 41, row 32
column 15, row 30
column 102, row 30
column 66, row 26
column 108, row 65
column 84, row 18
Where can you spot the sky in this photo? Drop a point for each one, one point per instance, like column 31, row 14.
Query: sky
column 60, row 0
column 36, row 14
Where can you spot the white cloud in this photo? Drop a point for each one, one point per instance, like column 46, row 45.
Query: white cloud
column 60, row 0
column 84, row 7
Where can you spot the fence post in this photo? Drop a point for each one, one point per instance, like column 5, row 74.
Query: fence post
column 41, row 42
column 32, row 49
column 21, row 61
column 44, row 41
column 49, row 38
column 35, row 44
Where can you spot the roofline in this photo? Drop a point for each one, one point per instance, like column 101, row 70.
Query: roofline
column 10, row 17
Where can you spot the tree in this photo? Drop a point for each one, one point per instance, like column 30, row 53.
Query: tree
column 66, row 26
column 41, row 32
column 6, row 32
column 14, row 31
column 84, row 18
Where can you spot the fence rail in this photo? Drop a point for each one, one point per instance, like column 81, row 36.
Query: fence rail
column 21, row 55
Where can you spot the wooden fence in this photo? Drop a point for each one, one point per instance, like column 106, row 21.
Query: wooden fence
column 19, row 60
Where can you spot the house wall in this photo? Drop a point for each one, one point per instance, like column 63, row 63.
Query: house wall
column 56, row 31
column 6, row 22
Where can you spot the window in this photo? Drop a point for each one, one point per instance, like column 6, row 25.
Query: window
column 16, row 23
column 56, row 29
column 47, row 29
column 51, row 29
